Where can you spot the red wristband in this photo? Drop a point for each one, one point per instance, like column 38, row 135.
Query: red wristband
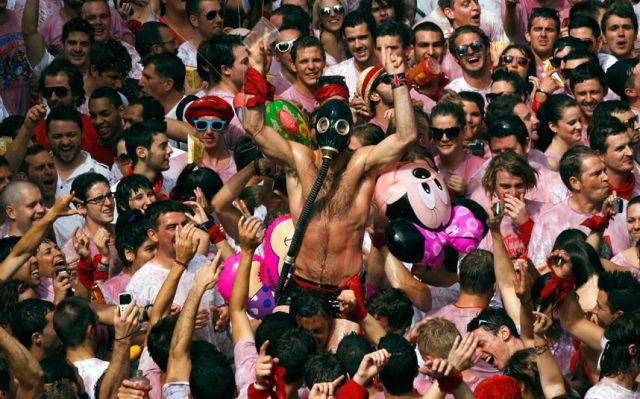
column 449, row 384
column 216, row 233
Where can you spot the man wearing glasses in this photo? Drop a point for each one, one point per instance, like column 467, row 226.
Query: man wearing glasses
column 470, row 46
column 282, row 53
column 206, row 19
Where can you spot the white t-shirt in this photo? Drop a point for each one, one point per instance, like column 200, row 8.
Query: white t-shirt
column 460, row 84
column 90, row 371
column 346, row 68
column 188, row 54
column 607, row 389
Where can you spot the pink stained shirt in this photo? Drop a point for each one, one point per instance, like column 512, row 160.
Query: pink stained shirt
column 427, row 102
column 245, row 356
column 225, row 173
column 16, row 70
column 113, row 287
column 467, row 168
column 114, row 262
column 235, row 130
column 560, row 217
column 622, row 261
column 307, row 102
column 525, row 7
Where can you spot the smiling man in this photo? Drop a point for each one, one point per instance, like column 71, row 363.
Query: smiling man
column 22, row 202
column 588, row 85
column 308, row 56
column 105, row 111
column 498, row 337
column 470, row 47
column 452, row 14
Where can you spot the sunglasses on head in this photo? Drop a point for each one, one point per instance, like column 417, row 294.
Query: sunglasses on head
column 211, row 15
column 508, row 59
column 283, row 47
column 60, row 91
column 326, row 11
column 631, row 122
column 202, row 125
column 475, row 47
column 451, row 133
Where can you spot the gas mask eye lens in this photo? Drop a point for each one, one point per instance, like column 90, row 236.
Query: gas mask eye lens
column 322, row 125
column 342, row 127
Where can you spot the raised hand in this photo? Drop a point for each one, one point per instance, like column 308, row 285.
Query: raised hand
column 325, row 390
column 347, row 301
column 198, row 206
column 186, row 243
column 202, row 318
column 541, row 324
column 494, row 220
column 560, row 261
column 392, row 63
column 61, row 286
column 265, row 365
column 35, row 115
column 127, row 324
column 102, row 238
column 251, row 233
column 371, row 365
column 462, row 351
column 128, row 390
column 207, row 276
column 62, row 206
column 456, row 185
column 438, row 368
column 522, row 281
column 516, row 208
column 81, row 243
column 221, row 313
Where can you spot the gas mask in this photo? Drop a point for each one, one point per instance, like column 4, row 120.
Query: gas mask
column 333, row 127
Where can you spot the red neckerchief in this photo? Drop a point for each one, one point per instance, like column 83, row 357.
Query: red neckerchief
column 626, row 190
column 576, row 356
column 157, row 184
column 560, row 284
column 276, row 383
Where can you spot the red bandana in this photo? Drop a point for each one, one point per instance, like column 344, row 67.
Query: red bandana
column 157, row 184
column 331, row 90
column 561, row 285
column 626, row 190
column 256, row 85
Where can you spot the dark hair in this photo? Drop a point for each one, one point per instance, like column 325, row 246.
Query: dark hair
column 158, row 208
column 159, row 340
column 503, row 75
column 568, row 236
column 293, row 348
column 622, row 290
column 57, row 368
column 476, row 273
column 168, row 66
column 588, row 71
column 624, row 331
column 10, row 291
column 473, row 97
column 397, row 376
column 322, row 367
column 578, row 53
column 71, row 319
column 571, row 163
column 29, row 317
column 393, row 27
column 502, row 105
column 193, row 176
column 127, row 187
column 358, row 17
column 6, row 246
column 78, row 24
column 304, row 42
column 584, row 21
column 110, row 55
column 130, row 233
column 508, row 125
column 141, row 135
column 147, row 35
column 151, row 108
column 467, row 29
column 587, row 8
column 107, row 92
column 351, row 350
column 392, row 304
column 449, row 109
column 585, row 260
column 214, row 53
column 427, row 26
column 272, row 327
column 546, row 13
column 10, row 125
column 368, row 134
column 32, row 150
column 294, row 17
column 600, row 129
column 492, row 319
column 309, row 304
column 210, row 368
column 531, row 71
column 523, row 367
column 620, row 10
column 551, row 111
column 74, row 76
column 84, row 182
column 64, row 113
column 397, row 5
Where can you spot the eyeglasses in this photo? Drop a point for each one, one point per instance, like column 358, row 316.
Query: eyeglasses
column 202, row 125
column 476, row 46
column 283, row 47
column 492, row 96
column 213, row 14
column 451, row 133
column 124, row 158
column 326, row 11
column 60, row 91
column 100, row 199
column 631, row 122
column 508, row 59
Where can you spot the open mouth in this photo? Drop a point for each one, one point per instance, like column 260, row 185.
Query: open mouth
column 59, row 263
column 489, row 359
column 476, row 18
column 473, row 60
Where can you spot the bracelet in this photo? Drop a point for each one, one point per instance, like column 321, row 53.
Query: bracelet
column 206, row 226
column 126, row 336
column 399, row 80
column 546, row 93
column 183, row 264
column 145, row 312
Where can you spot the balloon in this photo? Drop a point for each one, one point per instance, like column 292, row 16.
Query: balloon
column 288, row 121
column 261, row 301
column 276, row 244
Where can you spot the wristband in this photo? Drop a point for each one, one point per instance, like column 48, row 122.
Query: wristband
column 399, row 80
column 206, row 225
column 546, row 93
column 216, row 234
column 183, row 264
column 449, row 384
column 145, row 312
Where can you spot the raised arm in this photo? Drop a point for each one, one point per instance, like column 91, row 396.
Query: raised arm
column 179, row 364
column 351, row 304
column 34, row 236
column 551, row 378
column 511, row 18
column 178, row 130
column 394, row 146
column 33, row 40
column 400, row 278
column 249, row 241
column 23, row 366
column 18, row 148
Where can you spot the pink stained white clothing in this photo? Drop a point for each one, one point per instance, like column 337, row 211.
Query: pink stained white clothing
column 226, row 172
column 293, row 94
column 348, row 70
column 90, row 371
column 561, row 217
column 467, row 168
column 235, row 130
column 450, row 66
column 490, row 23
column 245, row 356
column 607, row 389
column 16, row 70
column 280, row 83
column 621, row 260
column 426, row 101
column 524, row 8
column 44, row 290
column 114, row 262
column 460, row 84
column 113, row 287
column 176, row 390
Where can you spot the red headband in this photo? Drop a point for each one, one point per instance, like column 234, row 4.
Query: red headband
column 330, row 90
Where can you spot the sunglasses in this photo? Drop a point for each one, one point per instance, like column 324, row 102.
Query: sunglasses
column 492, row 96
column 508, row 59
column 631, row 122
column 124, row 158
column 555, row 61
column 326, row 11
column 211, row 15
column 283, row 47
column 216, row 125
column 60, row 91
column 451, row 133
column 475, row 47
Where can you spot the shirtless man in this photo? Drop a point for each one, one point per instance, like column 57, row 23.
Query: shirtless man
column 330, row 256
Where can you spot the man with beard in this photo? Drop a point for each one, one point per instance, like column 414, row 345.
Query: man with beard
column 205, row 16
column 357, row 31
column 32, row 325
column 154, row 37
column 470, row 46
column 308, row 57
column 374, row 86
column 620, row 28
column 39, row 168
column 588, row 85
column 22, row 202
column 105, row 110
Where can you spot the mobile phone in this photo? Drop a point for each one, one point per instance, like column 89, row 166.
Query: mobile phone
column 497, row 209
column 476, row 147
column 61, row 270
column 124, row 299
column 618, row 205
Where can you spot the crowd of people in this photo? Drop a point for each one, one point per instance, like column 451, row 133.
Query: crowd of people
column 473, row 227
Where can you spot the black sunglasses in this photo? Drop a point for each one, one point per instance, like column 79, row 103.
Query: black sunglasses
column 508, row 59
column 452, row 133
column 492, row 96
column 211, row 15
column 567, row 73
column 326, row 11
column 60, row 91
column 476, row 46
column 124, row 158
